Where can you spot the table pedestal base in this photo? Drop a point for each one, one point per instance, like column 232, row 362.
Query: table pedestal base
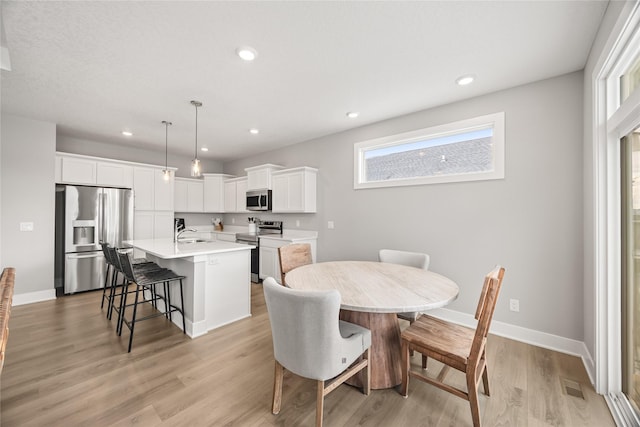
column 385, row 353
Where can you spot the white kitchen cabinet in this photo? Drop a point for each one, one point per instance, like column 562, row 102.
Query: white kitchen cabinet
column 269, row 259
column 294, row 190
column 163, row 191
column 235, row 195
column 152, row 225
column 76, row 170
column 259, row 177
column 269, row 263
column 189, row 195
column 151, row 191
column 114, row 174
column 180, row 195
column 214, row 192
column 143, row 187
column 163, row 227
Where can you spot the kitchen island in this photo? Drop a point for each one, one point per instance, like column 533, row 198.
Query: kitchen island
column 217, row 288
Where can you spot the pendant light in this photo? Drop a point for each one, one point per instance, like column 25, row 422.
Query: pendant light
column 195, row 164
column 166, row 173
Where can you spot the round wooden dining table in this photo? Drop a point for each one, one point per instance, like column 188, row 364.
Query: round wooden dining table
column 372, row 293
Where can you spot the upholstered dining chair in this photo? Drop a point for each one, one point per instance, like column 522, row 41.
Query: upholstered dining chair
column 292, row 256
column 309, row 340
column 455, row 346
column 411, row 259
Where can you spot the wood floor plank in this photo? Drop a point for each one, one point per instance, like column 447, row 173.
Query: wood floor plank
column 66, row 366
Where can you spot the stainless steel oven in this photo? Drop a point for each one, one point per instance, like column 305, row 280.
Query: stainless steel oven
column 263, row 228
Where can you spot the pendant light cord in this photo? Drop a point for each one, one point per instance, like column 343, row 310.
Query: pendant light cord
column 196, row 132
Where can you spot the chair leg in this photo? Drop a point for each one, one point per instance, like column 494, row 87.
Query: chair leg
column 184, row 324
column 319, row 403
column 277, row 388
column 133, row 316
column 104, row 289
column 472, row 388
column 366, row 383
column 485, row 381
column 406, row 364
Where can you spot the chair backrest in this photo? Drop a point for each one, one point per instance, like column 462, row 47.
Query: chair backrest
column 411, row 259
column 105, row 251
column 125, row 266
column 484, row 312
column 292, row 256
column 305, row 330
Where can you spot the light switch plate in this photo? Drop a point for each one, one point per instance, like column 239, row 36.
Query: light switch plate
column 26, row 226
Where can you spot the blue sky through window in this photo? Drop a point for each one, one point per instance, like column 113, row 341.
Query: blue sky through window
column 430, row 142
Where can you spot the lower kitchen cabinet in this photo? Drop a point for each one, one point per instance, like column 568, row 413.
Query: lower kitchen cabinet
column 269, row 262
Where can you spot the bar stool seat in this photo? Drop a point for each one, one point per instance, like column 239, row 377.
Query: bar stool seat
column 147, row 280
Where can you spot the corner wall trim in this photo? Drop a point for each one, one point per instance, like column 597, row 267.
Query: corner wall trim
column 31, row 297
column 529, row 336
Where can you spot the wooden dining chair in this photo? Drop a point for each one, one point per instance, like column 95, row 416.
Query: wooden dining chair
column 292, row 256
column 455, row 346
column 309, row 340
column 411, row 259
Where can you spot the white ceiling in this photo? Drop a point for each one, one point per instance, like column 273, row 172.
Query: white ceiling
column 97, row 68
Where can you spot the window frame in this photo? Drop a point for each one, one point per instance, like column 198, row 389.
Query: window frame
column 494, row 121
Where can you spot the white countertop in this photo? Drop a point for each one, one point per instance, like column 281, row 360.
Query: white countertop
column 287, row 234
column 167, row 249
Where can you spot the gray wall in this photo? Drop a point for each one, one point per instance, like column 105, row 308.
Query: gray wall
column 28, row 195
column 69, row 144
column 530, row 222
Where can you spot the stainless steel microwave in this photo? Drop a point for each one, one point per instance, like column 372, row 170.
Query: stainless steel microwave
column 259, row 200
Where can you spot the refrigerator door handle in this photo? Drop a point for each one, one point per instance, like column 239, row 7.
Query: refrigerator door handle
column 102, row 205
column 81, row 256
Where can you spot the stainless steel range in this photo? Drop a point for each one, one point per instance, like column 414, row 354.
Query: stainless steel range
column 262, row 228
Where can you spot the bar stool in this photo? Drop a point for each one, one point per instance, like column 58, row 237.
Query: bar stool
column 110, row 269
column 147, row 281
column 139, row 264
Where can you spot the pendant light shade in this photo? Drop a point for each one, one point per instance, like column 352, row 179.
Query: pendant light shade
column 166, row 173
column 195, row 164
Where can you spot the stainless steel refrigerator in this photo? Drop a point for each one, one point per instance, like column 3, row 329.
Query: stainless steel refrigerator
column 85, row 217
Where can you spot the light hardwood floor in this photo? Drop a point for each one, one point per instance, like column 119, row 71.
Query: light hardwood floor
column 66, row 367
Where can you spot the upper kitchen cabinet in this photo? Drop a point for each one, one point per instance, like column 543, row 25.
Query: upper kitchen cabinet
column 214, row 192
column 259, row 177
column 151, row 191
column 114, row 174
column 76, row 170
column 235, row 195
column 294, row 190
column 87, row 170
column 189, row 195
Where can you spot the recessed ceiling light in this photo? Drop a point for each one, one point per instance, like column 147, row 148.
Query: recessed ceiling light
column 204, row 149
column 465, row 80
column 247, row 53
column 254, row 131
column 127, row 133
column 353, row 114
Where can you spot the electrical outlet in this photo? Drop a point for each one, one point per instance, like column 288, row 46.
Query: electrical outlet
column 514, row 305
column 233, row 220
column 330, row 225
column 297, row 223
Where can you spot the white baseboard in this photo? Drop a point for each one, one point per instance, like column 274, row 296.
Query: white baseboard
column 31, row 297
column 529, row 336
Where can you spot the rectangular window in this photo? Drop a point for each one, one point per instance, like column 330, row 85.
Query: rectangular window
column 468, row 150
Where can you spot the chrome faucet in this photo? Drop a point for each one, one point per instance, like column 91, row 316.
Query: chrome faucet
column 177, row 233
